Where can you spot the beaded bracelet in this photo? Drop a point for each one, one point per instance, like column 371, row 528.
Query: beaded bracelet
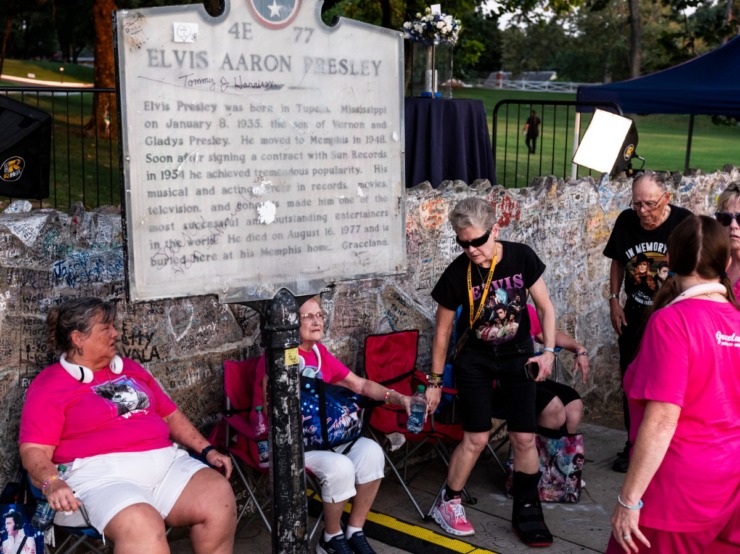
column 638, row 506
column 387, row 398
column 48, row 482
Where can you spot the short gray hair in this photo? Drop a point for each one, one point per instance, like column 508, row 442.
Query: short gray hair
column 78, row 314
column 472, row 212
column 652, row 176
column 732, row 192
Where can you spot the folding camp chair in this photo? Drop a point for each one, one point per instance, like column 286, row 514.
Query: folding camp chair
column 79, row 531
column 235, row 435
column 390, row 360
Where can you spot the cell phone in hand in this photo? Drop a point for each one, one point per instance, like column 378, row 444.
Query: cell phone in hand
column 531, row 370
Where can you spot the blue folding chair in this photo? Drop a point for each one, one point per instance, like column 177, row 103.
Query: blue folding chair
column 77, row 535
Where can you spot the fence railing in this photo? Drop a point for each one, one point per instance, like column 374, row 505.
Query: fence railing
column 85, row 165
column 531, row 86
column 84, row 159
column 561, row 126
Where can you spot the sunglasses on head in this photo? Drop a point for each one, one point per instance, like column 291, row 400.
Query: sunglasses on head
column 725, row 218
column 480, row 241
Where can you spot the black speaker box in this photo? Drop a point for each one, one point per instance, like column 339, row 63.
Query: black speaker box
column 25, row 150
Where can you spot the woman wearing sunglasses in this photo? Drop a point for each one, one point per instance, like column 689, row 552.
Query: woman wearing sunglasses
column 728, row 214
column 490, row 279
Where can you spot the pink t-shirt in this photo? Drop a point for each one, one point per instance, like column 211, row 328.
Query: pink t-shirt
column 534, row 321
column 113, row 413
column 332, row 370
column 690, row 356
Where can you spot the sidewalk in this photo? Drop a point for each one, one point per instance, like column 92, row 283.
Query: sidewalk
column 582, row 527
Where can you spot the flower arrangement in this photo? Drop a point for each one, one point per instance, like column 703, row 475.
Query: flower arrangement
column 433, row 28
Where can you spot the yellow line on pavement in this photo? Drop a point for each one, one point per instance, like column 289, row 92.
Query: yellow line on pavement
column 423, row 533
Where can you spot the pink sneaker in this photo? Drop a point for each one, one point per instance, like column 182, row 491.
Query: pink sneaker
column 451, row 516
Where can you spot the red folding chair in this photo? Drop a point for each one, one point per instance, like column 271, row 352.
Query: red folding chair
column 390, row 360
column 235, row 434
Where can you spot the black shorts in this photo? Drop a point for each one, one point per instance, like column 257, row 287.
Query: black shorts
column 547, row 390
column 475, row 374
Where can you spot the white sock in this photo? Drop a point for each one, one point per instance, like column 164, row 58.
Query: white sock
column 328, row 537
column 351, row 531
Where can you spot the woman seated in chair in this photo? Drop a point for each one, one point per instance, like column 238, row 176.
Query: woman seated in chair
column 343, row 472
column 109, row 423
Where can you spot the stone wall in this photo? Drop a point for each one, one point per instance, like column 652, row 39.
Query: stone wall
column 48, row 256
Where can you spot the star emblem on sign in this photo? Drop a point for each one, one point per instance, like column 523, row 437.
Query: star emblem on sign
column 274, row 14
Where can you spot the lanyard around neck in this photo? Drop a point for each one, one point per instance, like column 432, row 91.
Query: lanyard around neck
column 485, row 290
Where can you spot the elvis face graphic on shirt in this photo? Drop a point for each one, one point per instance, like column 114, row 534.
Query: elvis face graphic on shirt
column 124, row 394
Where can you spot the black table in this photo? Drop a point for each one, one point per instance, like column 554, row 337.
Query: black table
column 447, row 139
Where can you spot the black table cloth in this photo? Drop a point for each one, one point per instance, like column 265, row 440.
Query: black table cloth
column 447, row 139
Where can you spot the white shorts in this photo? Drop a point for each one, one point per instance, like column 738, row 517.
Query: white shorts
column 108, row 483
column 338, row 473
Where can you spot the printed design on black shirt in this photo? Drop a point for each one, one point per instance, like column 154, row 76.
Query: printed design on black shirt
column 125, row 394
column 646, row 273
column 501, row 315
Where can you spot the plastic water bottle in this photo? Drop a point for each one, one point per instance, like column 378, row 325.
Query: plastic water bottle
column 418, row 408
column 260, row 429
column 43, row 517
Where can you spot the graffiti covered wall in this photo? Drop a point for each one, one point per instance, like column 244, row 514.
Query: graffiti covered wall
column 48, row 256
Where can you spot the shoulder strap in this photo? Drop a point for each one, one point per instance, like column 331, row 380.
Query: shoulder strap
column 23, row 543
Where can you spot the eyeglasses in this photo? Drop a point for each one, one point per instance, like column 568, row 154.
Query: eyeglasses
column 480, row 241
column 725, row 218
column 649, row 205
column 319, row 316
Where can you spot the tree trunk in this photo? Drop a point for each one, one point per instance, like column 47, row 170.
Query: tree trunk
column 635, row 39
column 728, row 18
column 104, row 120
column 6, row 37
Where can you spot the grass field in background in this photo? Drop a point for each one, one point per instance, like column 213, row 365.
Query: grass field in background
column 47, row 71
column 662, row 138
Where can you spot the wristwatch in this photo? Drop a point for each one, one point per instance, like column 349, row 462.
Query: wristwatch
column 613, row 295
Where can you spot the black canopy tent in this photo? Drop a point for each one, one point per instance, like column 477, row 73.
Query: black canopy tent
column 707, row 85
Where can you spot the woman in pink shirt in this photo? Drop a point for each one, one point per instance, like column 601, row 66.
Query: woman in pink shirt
column 99, row 433
column 681, row 494
column 728, row 214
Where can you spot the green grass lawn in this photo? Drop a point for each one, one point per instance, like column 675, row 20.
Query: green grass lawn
column 47, row 71
column 662, row 138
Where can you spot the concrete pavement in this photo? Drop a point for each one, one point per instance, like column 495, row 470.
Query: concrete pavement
column 394, row 525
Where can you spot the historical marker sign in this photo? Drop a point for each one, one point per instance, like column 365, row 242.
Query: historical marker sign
column 261, row 149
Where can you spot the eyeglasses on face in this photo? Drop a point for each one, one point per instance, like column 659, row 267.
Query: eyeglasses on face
column 725, row 218
column 319, row 316
column 476, row 243
column 649, row 205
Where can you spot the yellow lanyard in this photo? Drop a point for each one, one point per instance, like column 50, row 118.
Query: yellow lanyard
column 485, row 290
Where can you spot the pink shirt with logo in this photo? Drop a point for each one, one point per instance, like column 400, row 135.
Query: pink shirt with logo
column 690, row 357
column 114, row 413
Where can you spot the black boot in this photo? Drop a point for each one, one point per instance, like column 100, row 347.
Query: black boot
column 527, row 518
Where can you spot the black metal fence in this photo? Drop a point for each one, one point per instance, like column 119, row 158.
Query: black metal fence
column 561, row 125
column 84, row 157
column 85, row 165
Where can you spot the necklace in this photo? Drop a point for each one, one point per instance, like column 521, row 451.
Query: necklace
column 703, row 289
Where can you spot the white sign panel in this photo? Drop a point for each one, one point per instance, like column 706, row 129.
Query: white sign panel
column 262, row 149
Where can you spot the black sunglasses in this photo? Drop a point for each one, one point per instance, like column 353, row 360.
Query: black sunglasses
column 725, row 218
column 480, row 241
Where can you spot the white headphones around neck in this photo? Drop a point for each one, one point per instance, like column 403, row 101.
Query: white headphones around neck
column 84, row 374
column 302, row 362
